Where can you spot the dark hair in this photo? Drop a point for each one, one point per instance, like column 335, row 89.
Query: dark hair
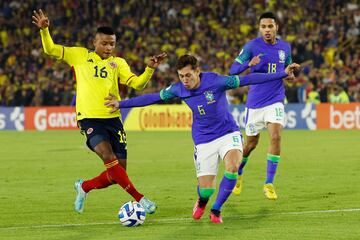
column 105, row 30
column 185, row 60
column 268, row 15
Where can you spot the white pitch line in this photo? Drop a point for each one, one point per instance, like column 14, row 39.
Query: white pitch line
column 168, row 220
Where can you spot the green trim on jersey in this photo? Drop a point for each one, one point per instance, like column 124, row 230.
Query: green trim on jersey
column 243, row 56
column 232, row 82
column 288, row 60
column 166, row 95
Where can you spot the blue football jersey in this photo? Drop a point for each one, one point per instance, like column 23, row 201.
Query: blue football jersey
column 208, row 103
column 273, row 58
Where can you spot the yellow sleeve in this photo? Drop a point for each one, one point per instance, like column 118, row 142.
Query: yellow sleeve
column 50, row 48
column 75, row 55
column 130, row 79
column 70, row 55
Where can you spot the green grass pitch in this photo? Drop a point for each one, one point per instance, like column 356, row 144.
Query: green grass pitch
column 317, row 183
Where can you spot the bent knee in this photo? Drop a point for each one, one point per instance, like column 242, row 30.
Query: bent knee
column 233, row 168
column 233, row 165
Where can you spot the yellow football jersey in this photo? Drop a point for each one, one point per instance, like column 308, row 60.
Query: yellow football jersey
column 96, row 78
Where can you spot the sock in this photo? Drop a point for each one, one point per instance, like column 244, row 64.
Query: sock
column 101, row 181
column 216, row 212
column 204, row 195
column 226, row 186
column 272, row 163
column 242, row 165
column 118, row 174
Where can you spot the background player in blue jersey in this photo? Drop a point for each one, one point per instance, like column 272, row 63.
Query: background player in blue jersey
column 264, row 106
column 214, row 131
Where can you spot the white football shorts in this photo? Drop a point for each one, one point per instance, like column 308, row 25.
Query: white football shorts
column 207, row 156
column 256, row 119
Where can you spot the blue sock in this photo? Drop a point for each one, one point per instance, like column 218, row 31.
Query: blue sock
column 242, row 165
column 272, row 163
column 226, row 186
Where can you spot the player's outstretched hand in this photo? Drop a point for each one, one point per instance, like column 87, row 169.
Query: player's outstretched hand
column 155, row 61
column 112, row 102
column 40, row 19
column 291, row 68
column 255, row 60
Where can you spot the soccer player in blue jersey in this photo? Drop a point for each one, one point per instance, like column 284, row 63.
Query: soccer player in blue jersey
column 265, row 102
column 214, row 131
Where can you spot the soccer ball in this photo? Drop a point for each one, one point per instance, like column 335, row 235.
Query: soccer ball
column 132, row 214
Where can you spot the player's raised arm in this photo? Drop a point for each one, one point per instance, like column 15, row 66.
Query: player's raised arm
column 257, row 78
column 139, row 82
column 155, row 61
column 237, row 67
column 144, row 100
column 244, row 60
column 42, row 22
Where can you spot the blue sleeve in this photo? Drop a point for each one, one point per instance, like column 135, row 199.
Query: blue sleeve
column 144, row 100
column 256, row 78
column 152, row 98
column 237, row 68
column 235, row 81
column 242, row 60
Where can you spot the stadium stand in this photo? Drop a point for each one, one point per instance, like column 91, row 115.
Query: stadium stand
column 324, row 37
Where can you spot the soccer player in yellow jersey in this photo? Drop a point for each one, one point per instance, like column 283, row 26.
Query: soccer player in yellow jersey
column 98, row 74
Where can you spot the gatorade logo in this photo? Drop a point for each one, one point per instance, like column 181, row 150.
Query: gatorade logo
column 46, row 118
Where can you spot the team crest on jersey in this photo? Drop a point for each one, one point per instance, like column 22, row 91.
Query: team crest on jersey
column 281, row 56
column 113, row 64
column 89, row 131
column 209, row 97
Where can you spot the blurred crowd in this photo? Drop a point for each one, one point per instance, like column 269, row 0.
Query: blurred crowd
column 324, row 36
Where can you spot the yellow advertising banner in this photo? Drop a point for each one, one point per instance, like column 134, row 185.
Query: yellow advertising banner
column 159, row 118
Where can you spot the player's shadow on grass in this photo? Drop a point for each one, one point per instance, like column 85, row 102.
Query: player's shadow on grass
column 249, row 221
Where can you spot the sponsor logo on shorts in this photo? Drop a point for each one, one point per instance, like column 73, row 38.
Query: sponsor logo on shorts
column 89, row 131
